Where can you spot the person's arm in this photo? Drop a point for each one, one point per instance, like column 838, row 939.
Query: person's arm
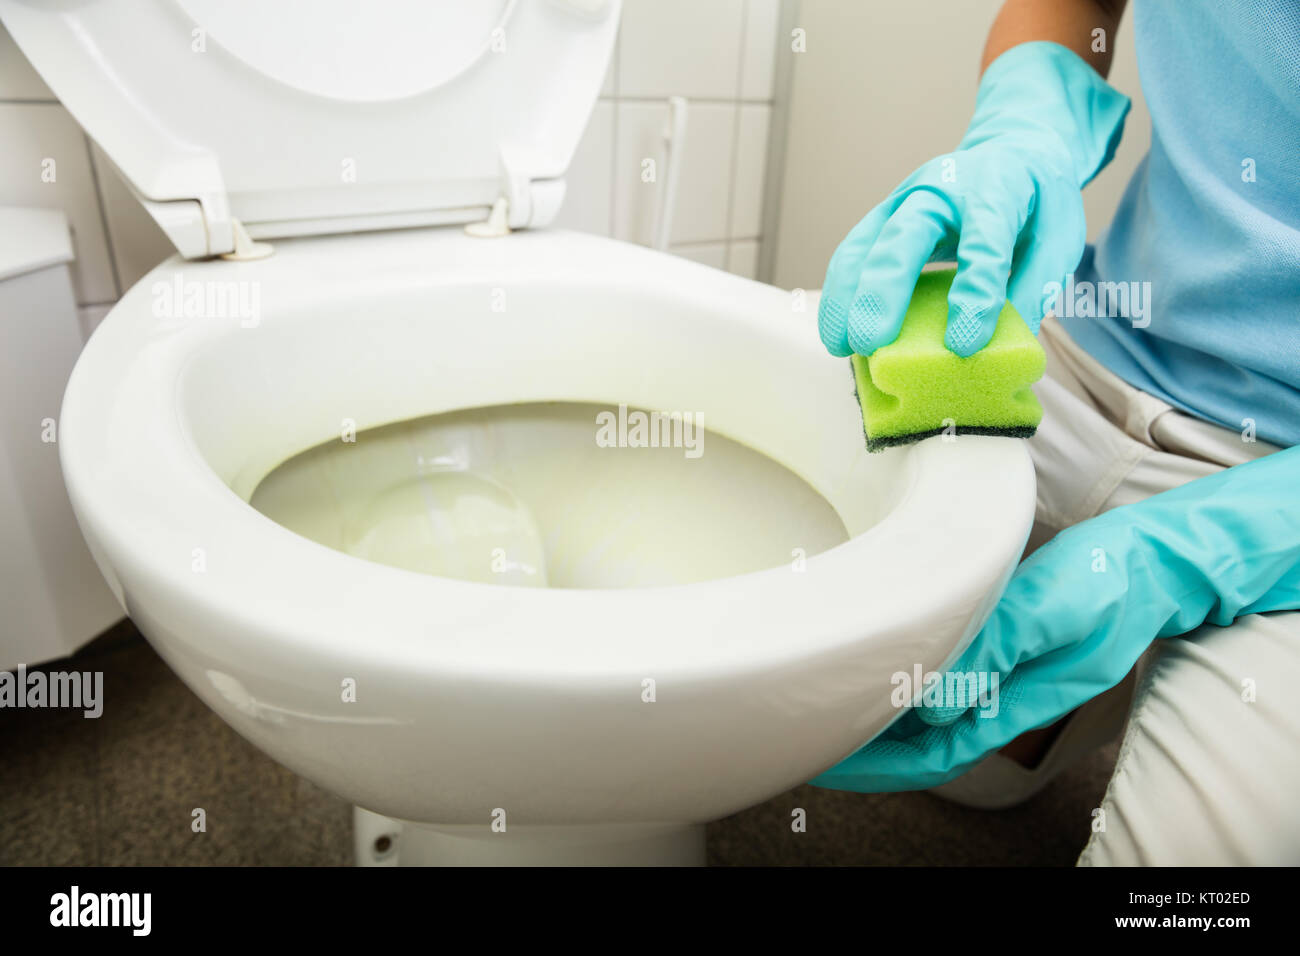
column 1006, row 203
column 1081, row 610
column 1068, row 22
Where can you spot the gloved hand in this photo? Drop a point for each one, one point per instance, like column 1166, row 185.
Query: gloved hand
column 1008, row 202
column 1080, row 611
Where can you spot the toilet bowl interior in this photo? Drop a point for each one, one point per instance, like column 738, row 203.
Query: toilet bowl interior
column 557, row 363
column 522, row 495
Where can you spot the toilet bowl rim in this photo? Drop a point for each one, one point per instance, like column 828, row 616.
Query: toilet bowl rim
column 774, row 617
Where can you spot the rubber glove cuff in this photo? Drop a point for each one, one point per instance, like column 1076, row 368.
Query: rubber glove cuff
column 1045, row 89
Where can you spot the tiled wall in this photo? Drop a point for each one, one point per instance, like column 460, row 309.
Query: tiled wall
column 46, row 160
column 719, row 55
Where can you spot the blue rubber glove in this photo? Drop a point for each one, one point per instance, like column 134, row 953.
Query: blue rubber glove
column 1008, row 203
column 1078, row 614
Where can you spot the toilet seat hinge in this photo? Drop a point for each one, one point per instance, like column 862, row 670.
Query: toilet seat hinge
column 524, row 203
column 245, row 247
column 495, row 225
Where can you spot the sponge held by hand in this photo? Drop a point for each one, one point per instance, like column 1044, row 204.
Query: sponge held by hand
column 915, row 387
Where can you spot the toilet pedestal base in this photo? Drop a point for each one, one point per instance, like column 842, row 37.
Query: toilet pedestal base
column 382, row 841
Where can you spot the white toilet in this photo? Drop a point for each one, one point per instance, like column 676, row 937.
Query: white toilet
column 459, row 609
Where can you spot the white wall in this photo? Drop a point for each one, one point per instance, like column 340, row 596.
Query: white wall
column 882, row 87
column 719, row 54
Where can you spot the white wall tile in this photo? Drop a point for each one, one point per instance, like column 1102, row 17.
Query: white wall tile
column 704, row 182
column 18, row 78
column 758, row 58
column 742, row 258
column 138, row 242
column 707, row 253
column 588, row 184
column 640, row 137
column 680, row 47
column 33, row 133
column 751, row 165
column 704, row 185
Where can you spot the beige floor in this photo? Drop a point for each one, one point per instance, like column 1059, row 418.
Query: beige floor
column 120, row 791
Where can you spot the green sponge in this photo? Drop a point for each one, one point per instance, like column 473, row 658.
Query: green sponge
column 914, row 387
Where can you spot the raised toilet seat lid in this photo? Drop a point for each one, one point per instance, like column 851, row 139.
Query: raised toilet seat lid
column 308, row 117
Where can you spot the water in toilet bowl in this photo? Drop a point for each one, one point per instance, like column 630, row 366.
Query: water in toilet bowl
column 525, row 495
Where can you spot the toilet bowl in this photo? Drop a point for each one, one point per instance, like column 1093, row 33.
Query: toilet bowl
column 471, row 698
column 596, row 717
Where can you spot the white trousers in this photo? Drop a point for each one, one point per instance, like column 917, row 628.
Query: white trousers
column 1209, row 768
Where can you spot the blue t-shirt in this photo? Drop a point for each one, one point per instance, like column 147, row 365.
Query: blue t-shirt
column 1210, row 222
